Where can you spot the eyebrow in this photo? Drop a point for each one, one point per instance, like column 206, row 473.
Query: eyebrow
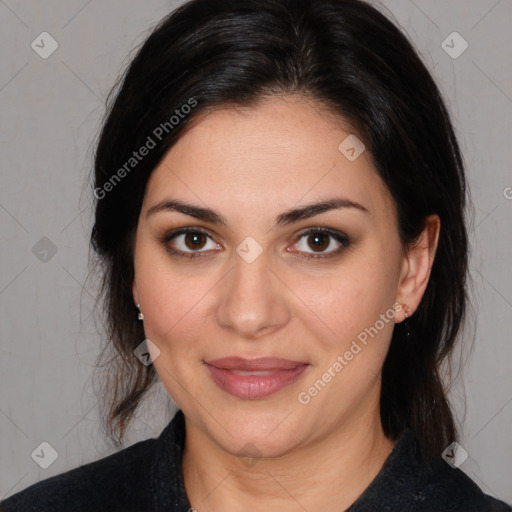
column 285, row 218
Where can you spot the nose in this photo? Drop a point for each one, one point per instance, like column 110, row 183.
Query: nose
column 254, row 300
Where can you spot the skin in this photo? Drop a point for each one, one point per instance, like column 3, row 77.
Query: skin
column 250, row 165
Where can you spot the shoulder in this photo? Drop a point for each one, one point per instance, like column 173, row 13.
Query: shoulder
column 118, row 482
column 443, row 487
column 408, row 482
column 437, row 486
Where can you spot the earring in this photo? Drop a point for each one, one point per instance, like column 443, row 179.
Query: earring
column 140, row 316
column 407, row 311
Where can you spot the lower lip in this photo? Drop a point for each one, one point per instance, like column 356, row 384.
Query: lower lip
column 254, row 386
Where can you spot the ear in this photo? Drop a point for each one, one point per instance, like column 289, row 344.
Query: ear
column 416, row 267
column 135, row 293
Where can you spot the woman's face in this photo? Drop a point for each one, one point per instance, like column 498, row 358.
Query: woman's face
column 257, row 286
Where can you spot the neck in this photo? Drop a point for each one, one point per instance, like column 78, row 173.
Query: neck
column 329, row 474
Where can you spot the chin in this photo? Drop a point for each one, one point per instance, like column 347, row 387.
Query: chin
column 259, row 434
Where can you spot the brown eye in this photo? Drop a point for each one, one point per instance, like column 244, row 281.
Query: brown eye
column 319, row 240
column 188, row 242
column 194, row 240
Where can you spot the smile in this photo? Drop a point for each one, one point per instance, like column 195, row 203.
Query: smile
column 254, row 378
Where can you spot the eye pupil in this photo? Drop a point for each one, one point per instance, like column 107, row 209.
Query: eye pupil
column 319, row 241
column 197, row 240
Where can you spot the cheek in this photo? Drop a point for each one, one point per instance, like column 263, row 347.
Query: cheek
column 171, row 297
column 174, row 317
column 360, row 315
column 174, row 307
column 348, row 301
column 334, row 300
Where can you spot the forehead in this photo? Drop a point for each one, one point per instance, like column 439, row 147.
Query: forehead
column 274, row 155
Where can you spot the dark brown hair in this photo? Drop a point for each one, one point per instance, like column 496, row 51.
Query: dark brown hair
column 350, row 58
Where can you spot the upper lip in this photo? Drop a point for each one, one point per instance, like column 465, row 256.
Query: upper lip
column 257, row 364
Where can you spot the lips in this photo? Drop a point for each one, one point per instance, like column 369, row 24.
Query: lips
column 254, row 378
column 260, row 364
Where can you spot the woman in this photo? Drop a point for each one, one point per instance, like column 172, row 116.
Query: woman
column 280, row 204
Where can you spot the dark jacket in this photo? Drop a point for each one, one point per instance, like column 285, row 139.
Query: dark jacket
column 147, row 476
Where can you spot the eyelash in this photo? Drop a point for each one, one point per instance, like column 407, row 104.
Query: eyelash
column 340, row 237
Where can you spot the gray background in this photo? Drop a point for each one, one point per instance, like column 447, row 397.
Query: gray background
column 51, row 111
